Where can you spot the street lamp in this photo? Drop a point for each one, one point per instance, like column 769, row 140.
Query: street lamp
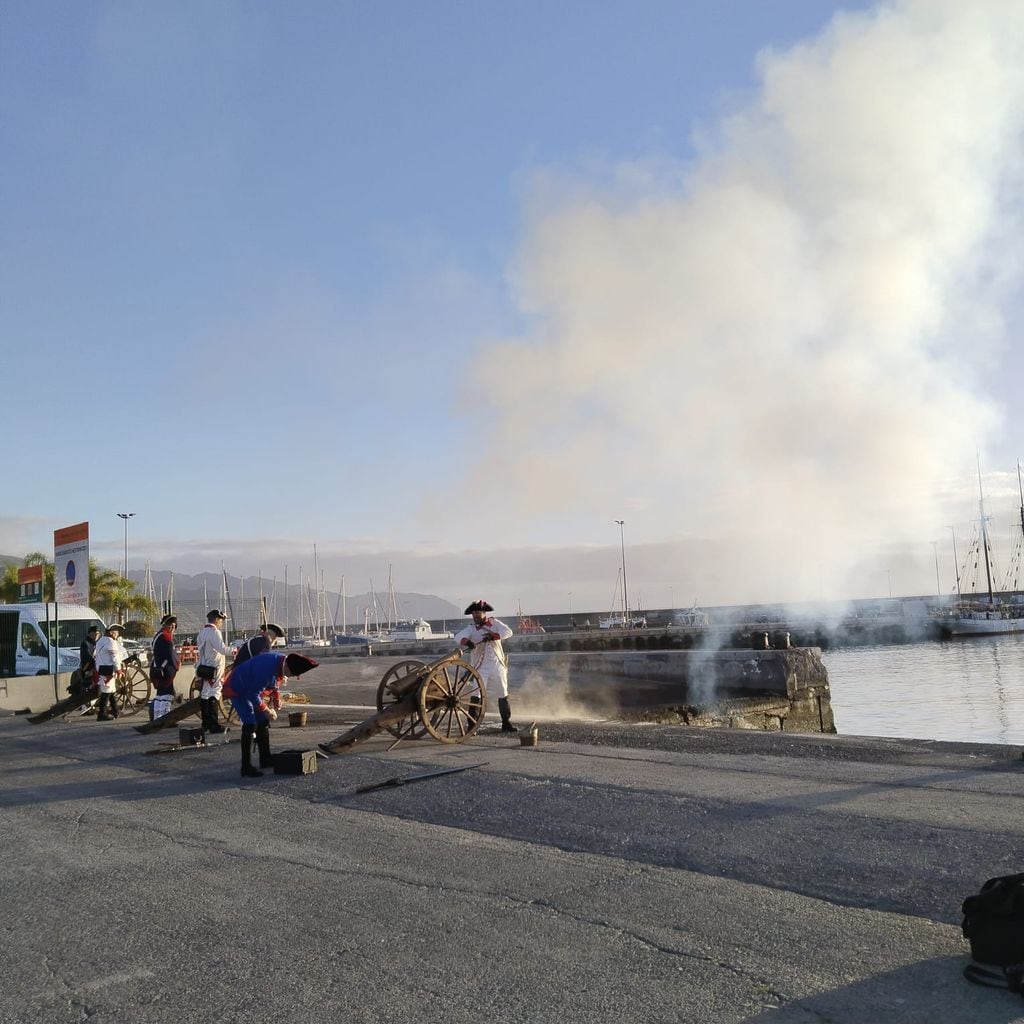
column 125, row 516
column 625, row 600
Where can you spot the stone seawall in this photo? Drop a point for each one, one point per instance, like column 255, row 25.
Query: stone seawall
column 773, row 690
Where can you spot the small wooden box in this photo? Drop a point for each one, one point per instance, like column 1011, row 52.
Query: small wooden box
column 295, row 762
column 189, row 736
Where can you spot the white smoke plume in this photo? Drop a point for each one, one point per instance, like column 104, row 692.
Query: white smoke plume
column 775, row 348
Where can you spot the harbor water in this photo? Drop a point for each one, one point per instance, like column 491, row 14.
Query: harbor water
column 968, row 690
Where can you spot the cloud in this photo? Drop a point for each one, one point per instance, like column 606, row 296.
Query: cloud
column 766, row 348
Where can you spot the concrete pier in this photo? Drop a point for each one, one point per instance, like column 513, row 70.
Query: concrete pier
column 613, row 873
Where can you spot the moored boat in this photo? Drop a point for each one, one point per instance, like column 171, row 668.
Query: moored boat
column 993, row 616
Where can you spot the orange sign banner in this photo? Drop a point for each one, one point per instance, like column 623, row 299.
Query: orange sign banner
column 70, row 534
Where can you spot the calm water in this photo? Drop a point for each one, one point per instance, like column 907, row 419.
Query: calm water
column 970, row 690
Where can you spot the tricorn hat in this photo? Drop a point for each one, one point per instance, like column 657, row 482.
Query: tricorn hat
column 213, row 615
column 117, row 626
column 296, row 664
column 167, row 620
column 478, row 606
column 273, row 627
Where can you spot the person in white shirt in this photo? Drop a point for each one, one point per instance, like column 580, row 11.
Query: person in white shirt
column 482, row 639
column 210, row 663
column 109, row 656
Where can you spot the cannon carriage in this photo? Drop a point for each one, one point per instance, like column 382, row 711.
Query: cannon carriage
column 132, row 693
column 445, row 699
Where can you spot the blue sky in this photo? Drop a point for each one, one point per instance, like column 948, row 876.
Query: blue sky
column 454, row 286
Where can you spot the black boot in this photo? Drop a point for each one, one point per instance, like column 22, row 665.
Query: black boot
column 101, row 710
column 248, row 731
column 211, row 715
column 506, row 715
column 113, row 712
column 263, row 742
column 473, row 713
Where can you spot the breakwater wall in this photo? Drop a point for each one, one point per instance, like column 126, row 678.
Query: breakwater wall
column 777, row 690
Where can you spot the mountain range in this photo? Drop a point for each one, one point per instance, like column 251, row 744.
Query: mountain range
column 192, row 596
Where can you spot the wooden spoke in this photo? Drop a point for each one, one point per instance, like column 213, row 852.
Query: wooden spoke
column 132, row 689
column 450, row 693
column 391, row 689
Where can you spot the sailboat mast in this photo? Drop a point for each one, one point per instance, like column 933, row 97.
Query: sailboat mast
column 984, row 536
column 1020, row 487
column 316, row 583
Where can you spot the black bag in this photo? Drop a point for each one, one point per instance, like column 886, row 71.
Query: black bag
column 207, row 672
column 994, row 926
column 107, row 671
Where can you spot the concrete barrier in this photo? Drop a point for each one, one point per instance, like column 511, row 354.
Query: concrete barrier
column 32, row 693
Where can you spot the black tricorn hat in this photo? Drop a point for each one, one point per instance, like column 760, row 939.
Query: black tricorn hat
column 168, row 619
column 214, row 615
column 478, row 606
column 296, row 664
column 272, row 627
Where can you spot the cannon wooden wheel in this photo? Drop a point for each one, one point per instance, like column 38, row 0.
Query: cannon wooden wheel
column 452, row 701
column 392, row 689
column 225, row 709
column 133, row 689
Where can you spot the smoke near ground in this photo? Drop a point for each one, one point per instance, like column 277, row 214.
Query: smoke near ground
column 771, row 356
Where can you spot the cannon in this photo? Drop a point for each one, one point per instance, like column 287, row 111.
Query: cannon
column 131, row 695
column 445, row 699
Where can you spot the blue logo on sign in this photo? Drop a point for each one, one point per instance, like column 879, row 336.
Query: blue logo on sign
column 69, row 574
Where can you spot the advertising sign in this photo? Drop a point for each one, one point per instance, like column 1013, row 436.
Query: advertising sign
column 30, row 584
column 71, row 564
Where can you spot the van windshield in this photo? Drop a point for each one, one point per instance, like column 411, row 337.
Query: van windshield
column 72, row 631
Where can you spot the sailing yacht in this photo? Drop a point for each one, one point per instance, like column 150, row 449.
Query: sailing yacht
column 994, row 616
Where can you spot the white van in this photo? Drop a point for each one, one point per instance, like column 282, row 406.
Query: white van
column 46, row 638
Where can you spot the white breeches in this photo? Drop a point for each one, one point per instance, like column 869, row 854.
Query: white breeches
column 108, row 685
column 212, row 688
column 495, row 679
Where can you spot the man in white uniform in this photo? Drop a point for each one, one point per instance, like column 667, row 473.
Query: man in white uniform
column 210, row 665
column 109, row 655
column 482, row 639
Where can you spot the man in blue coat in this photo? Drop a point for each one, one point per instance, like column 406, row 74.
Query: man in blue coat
column 246, row 687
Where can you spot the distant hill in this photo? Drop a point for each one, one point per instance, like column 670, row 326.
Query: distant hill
column 194, row 595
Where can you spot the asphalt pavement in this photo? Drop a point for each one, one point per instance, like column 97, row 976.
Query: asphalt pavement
column 612, row 873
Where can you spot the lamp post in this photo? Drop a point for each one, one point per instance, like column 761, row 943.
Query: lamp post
column 625, row 599
column 125, row 516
